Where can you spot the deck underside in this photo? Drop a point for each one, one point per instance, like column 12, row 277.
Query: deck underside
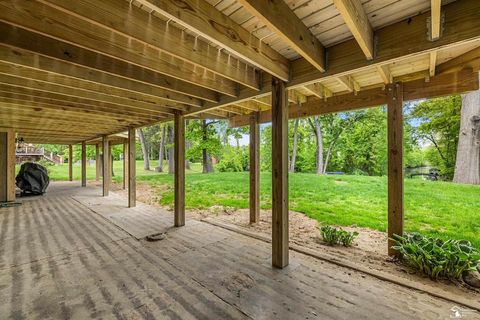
column 59, row 258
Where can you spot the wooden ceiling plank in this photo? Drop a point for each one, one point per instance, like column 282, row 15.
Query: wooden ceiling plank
column 357, row 21
column 65, row 81
column 159, row 34
column 51, row 22
column 205, row 20
column 15, row 81
column 278, row 17
column 85, row 61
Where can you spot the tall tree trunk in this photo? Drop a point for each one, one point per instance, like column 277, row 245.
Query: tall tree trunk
column 187, row 146
column 467, row 166
column 319, row 139
column 295, row 146
column 171, row 160
column 317, row 130
column 161, row 150
column 146, row 160
column 207, row 159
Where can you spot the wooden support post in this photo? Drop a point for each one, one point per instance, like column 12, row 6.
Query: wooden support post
column 179, row 157
column 98, row 162
column 70, row 162
column 254, row 168
column 279, row 174
column 131, row 174
column 84, row 164
column 7, row 165
column 125, row 162
column 395, row 162
column 106, row 172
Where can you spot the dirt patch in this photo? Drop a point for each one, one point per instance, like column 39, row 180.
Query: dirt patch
column 369, row 249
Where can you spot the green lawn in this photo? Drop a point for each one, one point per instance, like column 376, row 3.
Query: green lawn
column 436, row 208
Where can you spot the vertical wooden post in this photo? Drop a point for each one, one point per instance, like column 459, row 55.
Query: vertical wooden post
column 395, row 162
column 70, row 162
column 179, row 157
column 7, row 165
column 84, row 164
column 106, row 172
column 279, row 174
column 98, row 162
column 131, row 174
column 254, row 168
column 125, row 161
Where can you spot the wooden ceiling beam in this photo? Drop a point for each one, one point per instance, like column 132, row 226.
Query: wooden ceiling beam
column 357, row 21
column 462, row 25
column 53, row 23
column 120, row 102
column 159, row 34
column 89, row 61
column 86, row 78
column 318, row 90
column 349, row 83
column 435, row 19
column 432, row 63
column 206, row 21
column 385, row 73
column 440, row 85
column 279, row 18
column 470, row 59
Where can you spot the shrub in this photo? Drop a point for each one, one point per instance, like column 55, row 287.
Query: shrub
column 233, row 160
column 435, row 257
column 334, row 236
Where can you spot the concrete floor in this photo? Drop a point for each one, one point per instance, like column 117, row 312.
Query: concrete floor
column 67, row 255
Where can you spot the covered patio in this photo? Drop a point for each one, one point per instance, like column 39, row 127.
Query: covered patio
column 60, row 257
column 83, row 72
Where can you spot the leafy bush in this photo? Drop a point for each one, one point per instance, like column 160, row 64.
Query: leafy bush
column 233, row 160
column 435, row 257
column 333, row 236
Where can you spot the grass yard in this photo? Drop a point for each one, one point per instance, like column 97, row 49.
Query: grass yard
column 441, row 209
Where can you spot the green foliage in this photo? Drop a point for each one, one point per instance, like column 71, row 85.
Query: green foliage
column 233, row 159
column 438, row 123
column 203, row 134
column 332, row 236
column 437, row 258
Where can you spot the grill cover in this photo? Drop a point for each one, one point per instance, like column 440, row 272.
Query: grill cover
column 32, row 178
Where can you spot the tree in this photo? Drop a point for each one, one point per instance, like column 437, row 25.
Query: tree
column 294, row 147
column 161, row 150
column 170, row 150
column 438, row 122
column 143, row 143
column 317, row 130
column 205, row 142
column 467, row 166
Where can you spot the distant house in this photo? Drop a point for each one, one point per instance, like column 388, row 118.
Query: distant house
column 30, row 153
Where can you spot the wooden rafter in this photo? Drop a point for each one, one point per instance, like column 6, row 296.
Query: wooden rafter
column 51, row 22
column 435, row 19
column 282, row 20
column 385, row 74
column 203, row 19
column 432, row 63
column 349, row 83
column 470, row 59
column 357, row 21
column 440, row 85
column 157, row 33
column 87, row 78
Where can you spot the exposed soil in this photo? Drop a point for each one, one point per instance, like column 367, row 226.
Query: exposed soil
column 369, row 249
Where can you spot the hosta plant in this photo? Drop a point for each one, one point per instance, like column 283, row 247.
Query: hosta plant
column 435, row 257
column 332, row 236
